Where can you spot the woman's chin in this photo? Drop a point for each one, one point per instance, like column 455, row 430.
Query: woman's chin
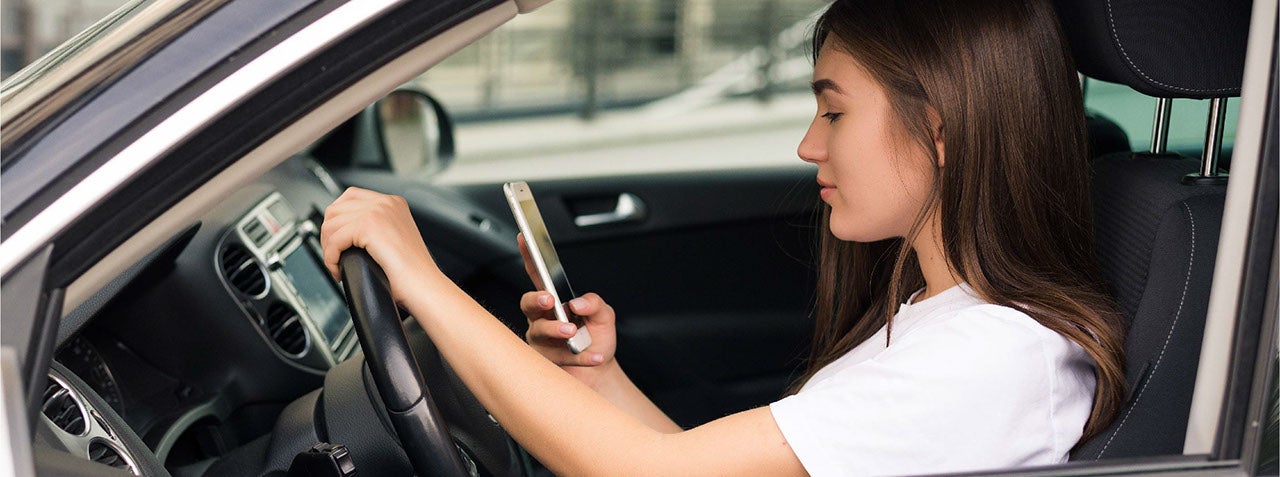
column 851, row 233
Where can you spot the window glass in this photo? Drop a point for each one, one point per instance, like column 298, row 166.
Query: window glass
column 33, row 28
column 1134, row 112
column 605, row 87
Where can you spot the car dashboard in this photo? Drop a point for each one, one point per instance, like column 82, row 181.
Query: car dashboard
column 199, row 346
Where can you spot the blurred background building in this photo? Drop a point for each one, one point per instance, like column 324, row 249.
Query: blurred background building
column 30, row 28
column 649, row 84
column 588, row 55
column 572, row 55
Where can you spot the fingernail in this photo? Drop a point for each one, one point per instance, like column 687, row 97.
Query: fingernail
column 577, row 304
column 568, row 329
column 597, row 358
column 544, row 300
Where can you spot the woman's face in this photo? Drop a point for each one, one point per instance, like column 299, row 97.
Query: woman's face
column 874, row 177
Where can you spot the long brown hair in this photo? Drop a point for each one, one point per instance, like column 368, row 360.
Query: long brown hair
column 1013, row 198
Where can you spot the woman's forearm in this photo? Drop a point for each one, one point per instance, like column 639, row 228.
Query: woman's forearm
column 524, row 391
column 573, row 429
column 565, row 424
column 617, row 387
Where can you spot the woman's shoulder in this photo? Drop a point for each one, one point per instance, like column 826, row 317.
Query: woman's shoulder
column 983, row 330
column 962, row 306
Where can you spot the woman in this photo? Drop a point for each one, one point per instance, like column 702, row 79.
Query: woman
column 950, row 150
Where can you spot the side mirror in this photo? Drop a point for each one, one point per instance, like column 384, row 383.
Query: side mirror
column 415, row 133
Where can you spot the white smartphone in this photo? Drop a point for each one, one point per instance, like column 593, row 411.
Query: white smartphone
column 551, row 278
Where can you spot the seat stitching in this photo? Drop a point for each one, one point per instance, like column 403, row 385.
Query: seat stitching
column 1185, row 285
column 1111, row 22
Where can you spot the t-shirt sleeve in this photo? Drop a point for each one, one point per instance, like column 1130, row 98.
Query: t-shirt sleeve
column 970, row 392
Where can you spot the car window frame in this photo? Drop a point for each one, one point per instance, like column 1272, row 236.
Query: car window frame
column 1174, row 464
column 99, row 55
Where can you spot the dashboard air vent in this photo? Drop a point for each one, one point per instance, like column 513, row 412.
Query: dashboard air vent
column 105, row 454
column 242, row 271
column 284, row 326
column 61, row 407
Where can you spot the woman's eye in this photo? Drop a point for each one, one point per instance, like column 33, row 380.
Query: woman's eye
column 832, row 116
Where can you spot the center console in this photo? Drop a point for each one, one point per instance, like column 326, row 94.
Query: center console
column 272, row 262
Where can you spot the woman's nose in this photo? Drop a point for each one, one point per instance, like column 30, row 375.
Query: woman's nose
column 813, row 148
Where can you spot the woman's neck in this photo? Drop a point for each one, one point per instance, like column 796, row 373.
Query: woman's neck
column 937, row 271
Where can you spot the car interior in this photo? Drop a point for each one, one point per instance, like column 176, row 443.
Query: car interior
column 229, row 350
column 1158, row 215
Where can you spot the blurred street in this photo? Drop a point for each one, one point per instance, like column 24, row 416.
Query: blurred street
column 604, row 87
column 736, row 133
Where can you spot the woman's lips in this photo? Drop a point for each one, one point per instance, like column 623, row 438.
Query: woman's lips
column 827, row 189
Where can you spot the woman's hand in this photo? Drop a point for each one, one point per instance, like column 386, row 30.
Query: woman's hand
column 383, row 226
column 549, row 336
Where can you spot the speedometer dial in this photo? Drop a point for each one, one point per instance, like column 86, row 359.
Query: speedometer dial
column 79, row 355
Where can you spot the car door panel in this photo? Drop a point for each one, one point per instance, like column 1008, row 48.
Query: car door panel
column 699, row 331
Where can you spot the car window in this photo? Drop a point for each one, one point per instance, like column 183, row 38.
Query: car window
column 1134, row 113
column 39, row 31
column 615, row 87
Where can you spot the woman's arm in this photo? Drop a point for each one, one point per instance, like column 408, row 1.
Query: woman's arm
column 562, row 422
column 618, row 389
column 597, row 367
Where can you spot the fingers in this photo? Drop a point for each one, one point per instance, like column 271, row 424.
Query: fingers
column 340, row 238
column 529, row 268
column 536, row 304
column 359, row 218
column 551, row 336
column 592, row 307
column 563, row 357
column 547, row 332
column 336, row 216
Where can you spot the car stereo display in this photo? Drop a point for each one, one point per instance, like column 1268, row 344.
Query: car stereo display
column 317, row 291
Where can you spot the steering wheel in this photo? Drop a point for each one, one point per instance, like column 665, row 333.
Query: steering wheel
column 418, row 421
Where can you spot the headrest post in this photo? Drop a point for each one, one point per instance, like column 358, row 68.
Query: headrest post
column 1160, row 129
column 1213, row 137
column 1208, row 174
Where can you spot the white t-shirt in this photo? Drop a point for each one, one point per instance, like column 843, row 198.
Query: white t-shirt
column 965, row 385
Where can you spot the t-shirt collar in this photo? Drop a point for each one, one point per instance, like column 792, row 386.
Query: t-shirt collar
column 942, row 298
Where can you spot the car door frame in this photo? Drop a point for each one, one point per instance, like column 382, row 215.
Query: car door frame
column 109, row 205
column 269, row 147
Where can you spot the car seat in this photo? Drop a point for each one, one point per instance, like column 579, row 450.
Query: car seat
column 1104, row 135
column 1157, row 215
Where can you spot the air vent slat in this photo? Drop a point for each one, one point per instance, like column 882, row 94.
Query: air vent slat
column 61, row 408
column 69, row 415
column 285, row 328
column 107, row 455
column 242, row 271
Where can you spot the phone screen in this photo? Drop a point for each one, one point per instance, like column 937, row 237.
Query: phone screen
column 551, row 277
column 542, row 246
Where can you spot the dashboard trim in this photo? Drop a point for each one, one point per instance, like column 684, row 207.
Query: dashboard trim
column 288, row 231
column 96, row 428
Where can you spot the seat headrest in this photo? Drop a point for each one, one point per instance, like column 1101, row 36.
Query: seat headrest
column 1163, row 48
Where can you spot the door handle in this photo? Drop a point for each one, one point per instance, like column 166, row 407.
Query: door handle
column 629, row 209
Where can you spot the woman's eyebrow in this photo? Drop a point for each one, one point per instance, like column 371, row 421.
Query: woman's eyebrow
column 824, row 84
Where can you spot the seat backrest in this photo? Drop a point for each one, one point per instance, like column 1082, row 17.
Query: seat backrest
column 1104, row 135
column 1157, row 241
column 1157, row 236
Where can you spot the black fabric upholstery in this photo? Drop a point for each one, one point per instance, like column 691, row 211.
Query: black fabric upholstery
column 1105, row 136
column 1166, row 48
column 1157, row 242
